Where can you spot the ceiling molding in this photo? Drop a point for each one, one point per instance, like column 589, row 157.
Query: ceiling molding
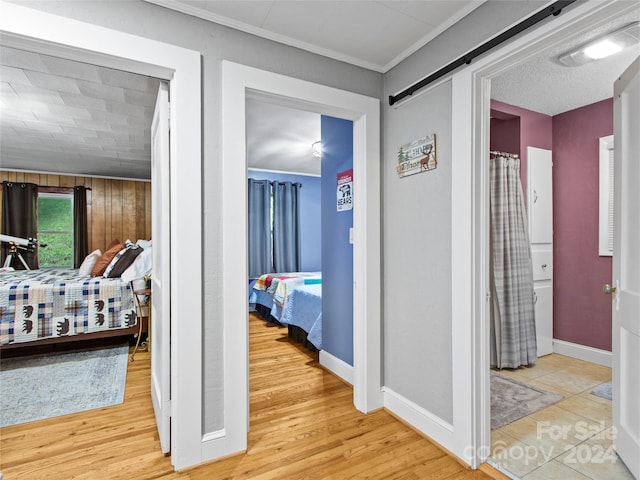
column 325, row 52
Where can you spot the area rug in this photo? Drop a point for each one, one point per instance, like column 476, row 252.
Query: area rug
column 603, row 391
column 511, row 400
column 49, row 385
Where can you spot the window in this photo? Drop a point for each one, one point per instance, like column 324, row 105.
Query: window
column 55, row 229
column 606, row 197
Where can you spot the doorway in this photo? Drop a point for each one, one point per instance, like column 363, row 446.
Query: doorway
column 40, row 32
column 572, row 130
column 238, row 80
column 474, row 86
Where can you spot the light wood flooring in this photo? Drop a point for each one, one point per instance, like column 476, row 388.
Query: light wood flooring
column 303, row 425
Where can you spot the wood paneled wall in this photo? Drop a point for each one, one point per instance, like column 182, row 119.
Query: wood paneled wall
column 117, row 209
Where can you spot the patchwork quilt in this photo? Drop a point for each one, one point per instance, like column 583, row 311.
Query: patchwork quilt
column 57, row 302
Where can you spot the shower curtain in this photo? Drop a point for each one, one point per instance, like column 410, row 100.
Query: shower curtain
column 511, row 269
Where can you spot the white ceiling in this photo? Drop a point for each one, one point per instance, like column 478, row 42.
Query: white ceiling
column 376, row 35
column 68, row 117
column 62, row 116
column 280, row 138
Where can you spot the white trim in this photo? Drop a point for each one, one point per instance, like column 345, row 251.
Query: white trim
column 336, row 366
column 237, row 81
column 471, row 99
column 309, row 47
column 582, row 352
column 422, row 420
column 66, row 38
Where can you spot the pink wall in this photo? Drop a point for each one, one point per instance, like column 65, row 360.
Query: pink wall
column 535, row 131
column 582, row 313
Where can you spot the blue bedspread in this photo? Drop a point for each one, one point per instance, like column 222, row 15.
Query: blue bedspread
column 304, row 310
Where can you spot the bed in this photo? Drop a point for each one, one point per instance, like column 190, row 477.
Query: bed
column 304, row 311
column 59, row 304
column 270, row 295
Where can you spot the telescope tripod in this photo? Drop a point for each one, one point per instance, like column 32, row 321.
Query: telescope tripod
column 12, row 255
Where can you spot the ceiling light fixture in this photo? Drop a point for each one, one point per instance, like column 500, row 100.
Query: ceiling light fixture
column 316, row 149
column 603, row 46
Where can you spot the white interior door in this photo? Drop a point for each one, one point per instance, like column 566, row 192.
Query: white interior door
column 626, row 268
column 160, row 309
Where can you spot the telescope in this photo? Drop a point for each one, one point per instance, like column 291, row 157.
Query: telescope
column 16, row 244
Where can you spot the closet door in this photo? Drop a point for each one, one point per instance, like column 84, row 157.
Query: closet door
column 543, row 297
column 540, row 195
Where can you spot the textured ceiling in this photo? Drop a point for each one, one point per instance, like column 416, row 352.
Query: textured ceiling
column 372, row 34
column 544, row 85
column 63, row 116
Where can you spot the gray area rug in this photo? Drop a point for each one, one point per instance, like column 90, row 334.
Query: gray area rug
column 49, row 385
column 511, row 400
column 603, row 391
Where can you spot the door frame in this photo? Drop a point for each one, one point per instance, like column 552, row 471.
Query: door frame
column 237, row 82
column 471, row 89
column 41, row 32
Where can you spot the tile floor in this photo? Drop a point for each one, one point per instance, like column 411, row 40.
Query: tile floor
column 571, row 439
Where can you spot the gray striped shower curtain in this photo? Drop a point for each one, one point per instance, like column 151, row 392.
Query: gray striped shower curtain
column 511, row 269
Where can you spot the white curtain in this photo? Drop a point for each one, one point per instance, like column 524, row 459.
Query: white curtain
column 512, row 313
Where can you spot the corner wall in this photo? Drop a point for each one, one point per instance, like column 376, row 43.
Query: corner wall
column 582, row 313
column 337, row 252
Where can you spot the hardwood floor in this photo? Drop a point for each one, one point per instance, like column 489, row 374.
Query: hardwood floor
column 303, row 425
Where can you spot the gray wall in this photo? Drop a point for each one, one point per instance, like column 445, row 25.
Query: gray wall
column 216, row 43
column 417, row 291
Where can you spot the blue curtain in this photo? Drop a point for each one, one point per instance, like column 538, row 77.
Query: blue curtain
column 286, row 230
column 260, row 253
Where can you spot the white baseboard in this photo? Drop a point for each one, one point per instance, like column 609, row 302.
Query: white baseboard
column 422, row 420
column 336, row 366
column 582, row 352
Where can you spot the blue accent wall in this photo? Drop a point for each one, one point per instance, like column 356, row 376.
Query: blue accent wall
column 337, row 252
column 310, row 215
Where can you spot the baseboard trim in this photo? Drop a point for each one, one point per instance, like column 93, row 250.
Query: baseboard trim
column 436, row 429
column 582, row 352
column 336, row 366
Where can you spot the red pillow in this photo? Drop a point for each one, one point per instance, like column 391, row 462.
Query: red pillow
column 105, row 259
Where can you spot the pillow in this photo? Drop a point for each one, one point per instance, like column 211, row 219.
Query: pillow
column 104, row 260
column 88, row 262
column 122, row 260
column 140, row 267
column 113, row 244
column 144, row 243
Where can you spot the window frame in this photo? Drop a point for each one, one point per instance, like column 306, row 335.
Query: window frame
column 58, row 192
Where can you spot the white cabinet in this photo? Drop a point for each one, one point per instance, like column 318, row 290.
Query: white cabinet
column 540, row 193
column 543, row 298
column 540, row 213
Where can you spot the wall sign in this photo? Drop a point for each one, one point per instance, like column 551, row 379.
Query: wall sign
column 417, row 156
column 344, row 192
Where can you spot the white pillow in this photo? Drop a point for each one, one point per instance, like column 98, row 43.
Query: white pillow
column 140, row 267
column 88, row 262
column 144, row 243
